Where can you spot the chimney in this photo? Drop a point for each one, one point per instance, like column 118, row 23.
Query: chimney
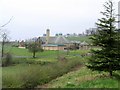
column 47, row 36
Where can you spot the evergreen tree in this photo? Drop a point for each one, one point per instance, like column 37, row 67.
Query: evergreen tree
column 107, row 58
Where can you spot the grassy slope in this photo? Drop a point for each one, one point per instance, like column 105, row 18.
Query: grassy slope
column 83, row 78
column 80, row 38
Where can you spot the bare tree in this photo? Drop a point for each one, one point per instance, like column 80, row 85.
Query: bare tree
column 4, row 38
column 4, row 35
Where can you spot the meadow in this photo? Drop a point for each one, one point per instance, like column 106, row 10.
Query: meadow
column 28, row 72
column 48, row 71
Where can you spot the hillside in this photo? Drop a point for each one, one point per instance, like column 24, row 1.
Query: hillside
column 83, row 78
column 80, row 38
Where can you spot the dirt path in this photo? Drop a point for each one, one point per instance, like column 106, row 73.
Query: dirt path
column 72, row 70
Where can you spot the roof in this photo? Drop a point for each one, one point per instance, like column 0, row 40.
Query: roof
column 61, row 40
column 43, row 39
column 56, row 40
column 53, row 45
column 75, row 42
column 84, row 43
column 52, row 40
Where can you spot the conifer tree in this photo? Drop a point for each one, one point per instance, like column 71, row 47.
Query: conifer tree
column 107, row 58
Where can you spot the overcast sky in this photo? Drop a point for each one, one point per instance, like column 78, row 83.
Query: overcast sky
column 31, row 18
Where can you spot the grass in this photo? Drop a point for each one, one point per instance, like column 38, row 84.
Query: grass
column 31, row 75
column 72, row 78
column 100, row 83
column 84, row 78
column 25, row 52
column 80, row 38
column 0, row 77
column 11, row 75
column 29, row 72
column 49, row 56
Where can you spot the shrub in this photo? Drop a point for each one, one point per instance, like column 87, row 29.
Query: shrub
column 7, row 60
column 30, row 77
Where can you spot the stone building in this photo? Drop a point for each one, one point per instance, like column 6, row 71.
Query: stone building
column 54, row 43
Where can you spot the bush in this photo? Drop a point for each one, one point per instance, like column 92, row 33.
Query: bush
column 7, row 60
column 30, row 77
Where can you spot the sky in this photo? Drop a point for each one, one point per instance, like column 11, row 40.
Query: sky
column 31, row 18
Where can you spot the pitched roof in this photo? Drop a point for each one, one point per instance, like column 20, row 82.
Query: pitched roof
column 75, row 42
column 84, row 43
column 52, row 40
column 61, row 40
column 43, row 39
column 56, row 40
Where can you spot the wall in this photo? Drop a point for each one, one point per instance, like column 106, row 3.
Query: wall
column 53, row 47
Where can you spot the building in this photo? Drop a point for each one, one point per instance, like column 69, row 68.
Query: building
column 58, row 42
column 21, row 44
column 119, row 15
column 54, row 43
column 84, row 46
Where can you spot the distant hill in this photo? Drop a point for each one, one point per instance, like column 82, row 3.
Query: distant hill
column 80, row 38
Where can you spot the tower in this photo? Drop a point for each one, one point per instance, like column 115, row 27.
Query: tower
column 47, row 36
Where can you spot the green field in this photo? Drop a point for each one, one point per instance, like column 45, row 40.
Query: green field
column 80, row 38
column 37, row 70
column 84, row 78
column 43, row 56
column 48, row 69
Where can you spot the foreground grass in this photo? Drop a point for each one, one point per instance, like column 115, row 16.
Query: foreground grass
column 29, row 72
column 31, row 75
column 0, row 77
column 84, row 78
